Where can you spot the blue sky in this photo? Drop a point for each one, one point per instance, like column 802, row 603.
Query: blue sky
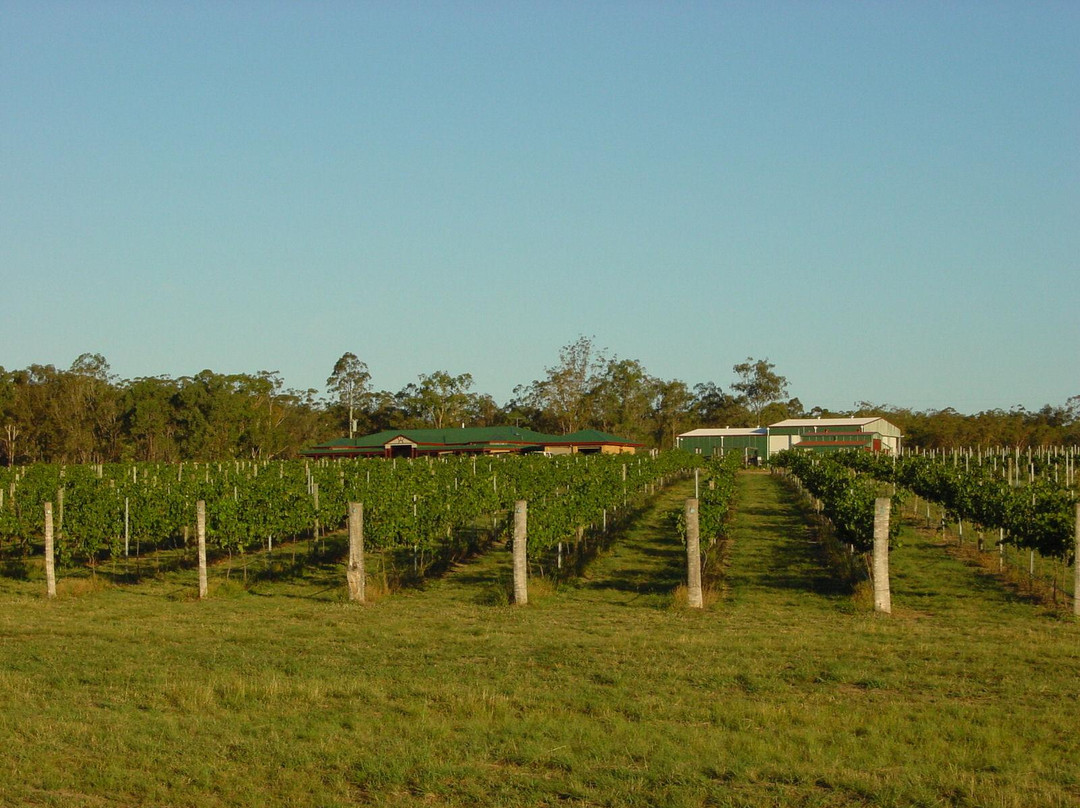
column 881, row 198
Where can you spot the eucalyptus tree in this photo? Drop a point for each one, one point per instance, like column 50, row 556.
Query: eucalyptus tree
column 12, row 430
column 349, row 383
column 148, row 416
column 483, row 411
column 211, row 414
column 622, row 399
column 439, row 400
column 712, row 407
column 758, row 385
column 565, row 396
column 80, row 409
column 672, row 410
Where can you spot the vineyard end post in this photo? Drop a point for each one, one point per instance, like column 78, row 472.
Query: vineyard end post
column 693, row 556
column 50, row 559
column 200, row 536
column 521, row 585
column 882, row 595
column 355, row 572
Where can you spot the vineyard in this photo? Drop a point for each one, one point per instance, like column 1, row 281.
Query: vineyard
column 419, row 514
column 130, row 691
column 422, row 514
column 1036, row 511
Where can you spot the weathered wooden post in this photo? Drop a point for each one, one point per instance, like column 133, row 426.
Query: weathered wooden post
column 882, row 596
column 1076, row 564
column 521, row 569
column 50, row 561
column 355, row 571
column 693, row 556
column 200, row 537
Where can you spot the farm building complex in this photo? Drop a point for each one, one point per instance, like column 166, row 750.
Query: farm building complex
column 473, row 440
column 812, row 434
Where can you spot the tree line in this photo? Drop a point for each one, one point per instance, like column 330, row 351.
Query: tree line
column 85, row 414
column 1017, row 427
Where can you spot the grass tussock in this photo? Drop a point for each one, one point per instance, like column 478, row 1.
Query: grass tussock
column 710, row 596
column 862, row 596
column 68, row 587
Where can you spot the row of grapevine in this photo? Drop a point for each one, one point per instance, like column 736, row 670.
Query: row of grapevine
column 847, row 498
column 563, row 499
column 717, row 498
column 1039, row 516
column 417, row 504
column 1055, row 464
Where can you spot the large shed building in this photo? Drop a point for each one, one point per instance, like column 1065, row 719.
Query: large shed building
column 834, row 434
column 810, row 434
column 753, row 443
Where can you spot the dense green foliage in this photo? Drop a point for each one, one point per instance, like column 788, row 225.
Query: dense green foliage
column 409, row 504
column 85, row 414
column 1038, row 516
column 717, row 496
column 565, row 494
column 847, row 498
column 948, row 429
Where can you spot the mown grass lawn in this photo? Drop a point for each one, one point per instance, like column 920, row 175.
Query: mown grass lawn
column 602, row 692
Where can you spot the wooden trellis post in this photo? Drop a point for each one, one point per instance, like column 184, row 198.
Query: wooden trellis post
column 693, row 556
column 521, row 569
column 200, row 536
column 355, row 572
column 882, row 596
column 50, row 561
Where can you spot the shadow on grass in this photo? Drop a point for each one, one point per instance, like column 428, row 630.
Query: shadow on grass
column 790, row 546
column 797, row 564
column 648, row 558
column 16, row 569
column 644, row 580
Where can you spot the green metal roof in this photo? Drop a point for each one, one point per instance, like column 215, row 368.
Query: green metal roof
column 465, row 439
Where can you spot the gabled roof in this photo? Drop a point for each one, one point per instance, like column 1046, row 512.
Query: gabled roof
column 590, row 436
column 454, row 436
column 725, row 432
column 827, row 421
column 466, row 439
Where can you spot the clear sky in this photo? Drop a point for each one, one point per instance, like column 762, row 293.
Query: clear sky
column 883, row 198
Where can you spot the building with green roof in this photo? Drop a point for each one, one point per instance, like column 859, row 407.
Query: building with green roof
column 873, row 434
column 471, row 440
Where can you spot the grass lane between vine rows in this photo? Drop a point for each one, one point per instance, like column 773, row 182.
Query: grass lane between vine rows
column 599, row 692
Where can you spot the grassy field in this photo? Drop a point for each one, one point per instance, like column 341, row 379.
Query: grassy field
column 601, row 692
